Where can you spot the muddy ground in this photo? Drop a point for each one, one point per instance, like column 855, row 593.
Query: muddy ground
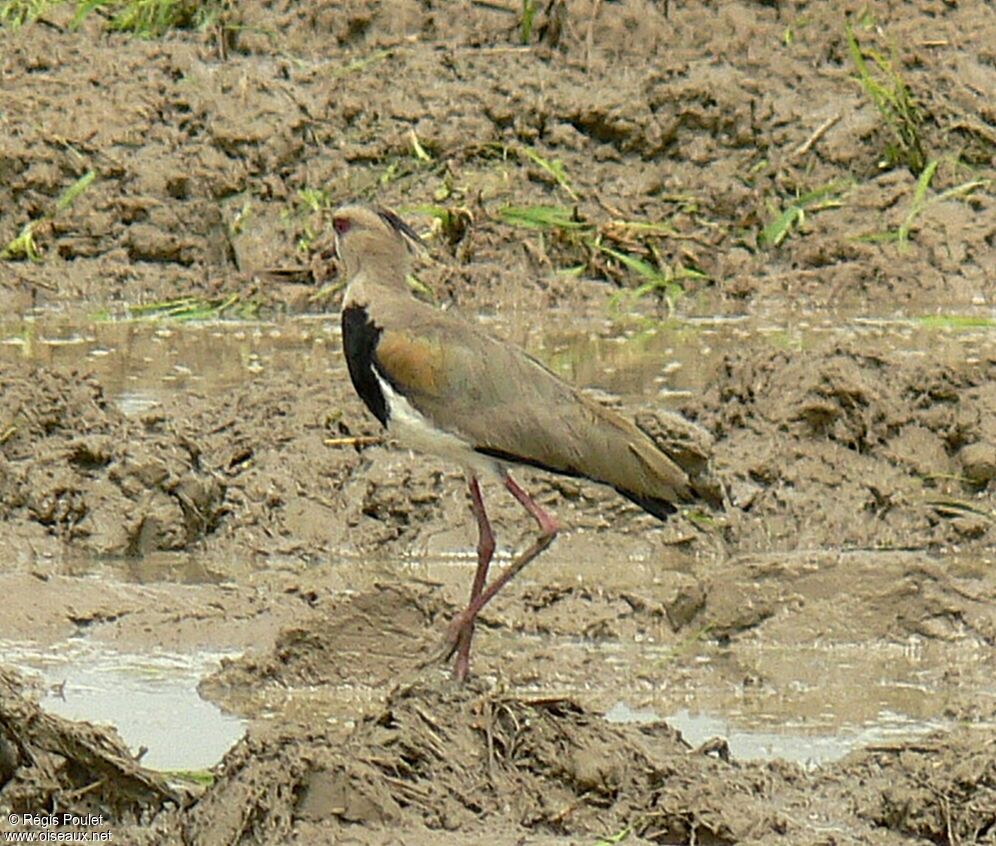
column 857, row 467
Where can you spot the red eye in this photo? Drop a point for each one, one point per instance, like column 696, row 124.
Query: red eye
column 341, row 225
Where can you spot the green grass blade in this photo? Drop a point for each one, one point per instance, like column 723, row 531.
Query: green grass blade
column 23, row 246
column 541, row 217
column 614, row 839
column 919, row 202
column 70, row 195
column 417, row 147
column 555, row 168
column 638, row 266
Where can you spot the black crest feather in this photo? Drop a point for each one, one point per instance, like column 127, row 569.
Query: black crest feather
column 399, row 226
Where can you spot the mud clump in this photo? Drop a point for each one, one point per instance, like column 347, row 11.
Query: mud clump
column 220, row 143
column 851, row 449
column 372, row 638
column 439, row 763
column 913, row 794
column 449, row 759
column 472, row 761
column 74, row 469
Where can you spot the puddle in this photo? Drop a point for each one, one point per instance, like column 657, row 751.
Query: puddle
column 140, row 361
column 807, row 749
column 150, row 698
column 788, row 743
column 816, row 704
column 811, row 703
column 157, row 567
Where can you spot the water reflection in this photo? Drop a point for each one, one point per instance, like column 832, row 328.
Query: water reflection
column 138, row 361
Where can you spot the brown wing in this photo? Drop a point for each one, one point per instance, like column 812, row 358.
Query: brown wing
column 506, row 404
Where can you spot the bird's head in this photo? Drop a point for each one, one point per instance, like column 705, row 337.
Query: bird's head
column 375, row 241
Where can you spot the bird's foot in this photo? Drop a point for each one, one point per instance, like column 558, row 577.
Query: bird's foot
column 459, row 630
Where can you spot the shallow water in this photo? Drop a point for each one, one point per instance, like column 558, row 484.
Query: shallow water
column 140, row 361
column 151, row 698
column 820, row 700
column 795, row 743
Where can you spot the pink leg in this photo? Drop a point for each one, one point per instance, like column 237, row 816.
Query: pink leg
column 548, row 526
column 485, row 552
column 548, row 531
column 461, row 629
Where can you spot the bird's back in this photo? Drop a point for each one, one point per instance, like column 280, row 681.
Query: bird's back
column 506, row 405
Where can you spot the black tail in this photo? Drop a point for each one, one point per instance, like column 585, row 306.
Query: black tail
column 660, row 508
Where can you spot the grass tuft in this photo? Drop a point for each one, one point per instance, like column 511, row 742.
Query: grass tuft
column 623, row 251
column 554, row 169
column 618, row 837
column 23, row 246
column 16, row 13
column 200, row 778
column 417, row 149
column 919, row 203
column 879, row 77
column 922, row 200
column 542, row 217
column 450, row 223
column 306, row 215
column 145, row 18
column 154, row 18
column 662, row 282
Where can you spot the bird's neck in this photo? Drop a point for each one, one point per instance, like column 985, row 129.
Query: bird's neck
column 364, row 286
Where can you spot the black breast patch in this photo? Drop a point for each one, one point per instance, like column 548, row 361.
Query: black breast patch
column 359, row 341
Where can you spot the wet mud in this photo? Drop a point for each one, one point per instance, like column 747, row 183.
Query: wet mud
column 220, row 489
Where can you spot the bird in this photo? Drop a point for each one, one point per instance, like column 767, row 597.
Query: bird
column 441, row 385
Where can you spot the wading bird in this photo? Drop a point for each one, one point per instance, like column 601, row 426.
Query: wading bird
column 440, row 385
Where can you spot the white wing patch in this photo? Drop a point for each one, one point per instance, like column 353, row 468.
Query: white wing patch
column 414, row 430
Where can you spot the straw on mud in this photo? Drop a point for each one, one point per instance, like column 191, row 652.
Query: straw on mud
column 820, row 131
column 362, row 63
column 589, row 40
column 354, row 441
column 956, row 507
column 189, row 308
